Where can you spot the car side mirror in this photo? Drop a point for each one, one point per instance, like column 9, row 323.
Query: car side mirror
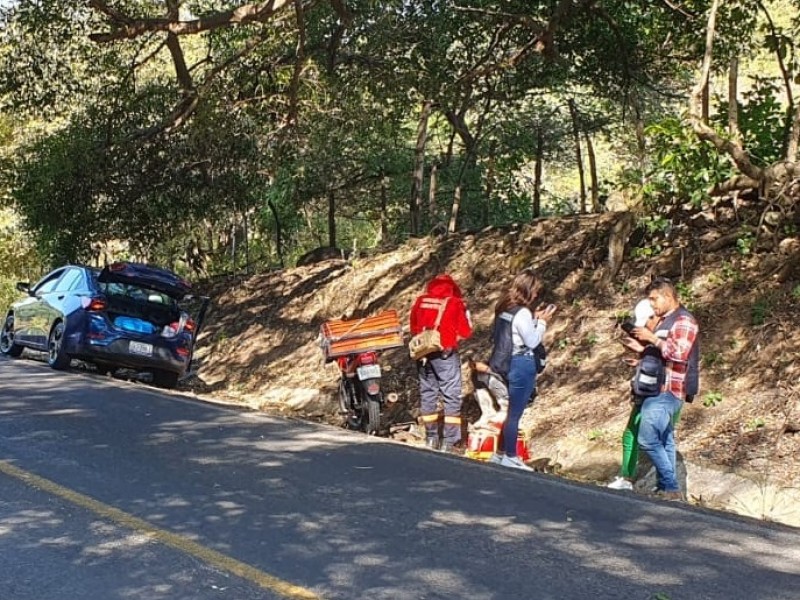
column 24, row 286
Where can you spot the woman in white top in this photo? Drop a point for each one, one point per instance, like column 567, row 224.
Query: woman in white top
column 527, row 328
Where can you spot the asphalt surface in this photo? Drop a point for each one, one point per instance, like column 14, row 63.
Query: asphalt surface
column 111, row 489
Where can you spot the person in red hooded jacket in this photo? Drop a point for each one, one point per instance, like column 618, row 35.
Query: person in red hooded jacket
column 440, row 373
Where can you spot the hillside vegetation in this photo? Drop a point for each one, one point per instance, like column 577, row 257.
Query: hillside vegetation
column 739, row 438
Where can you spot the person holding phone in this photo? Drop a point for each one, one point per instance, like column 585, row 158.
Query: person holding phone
column 644, row 316
column 519, row 328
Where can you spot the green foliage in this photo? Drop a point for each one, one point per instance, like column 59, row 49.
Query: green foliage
column 762, row 120
column 646, row 251
column 755, row 423
column 597, row 435
column 654, row 224
column 796, row 292
column 8, row 293
column 711, row 399
column 684, row 167
column 55, row 194
column 745, row 243
column 730, row 273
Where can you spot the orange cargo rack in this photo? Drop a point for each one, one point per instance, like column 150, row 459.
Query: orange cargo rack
column 378, row 332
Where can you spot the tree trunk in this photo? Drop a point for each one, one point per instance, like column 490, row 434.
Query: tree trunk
column 331, row 219
column 246, row 240
column 573, row 111
column 733, row 102
column 384, row 208
column 536, row 209
column 485, row 210
column 432, row 208
column 593, row 185
column 752, row 173
column 451, row 227
column 641, row 141
column 278, row 232
column 419, row 168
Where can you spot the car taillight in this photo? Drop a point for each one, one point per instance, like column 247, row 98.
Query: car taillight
column 94, row 304
column 189, row 325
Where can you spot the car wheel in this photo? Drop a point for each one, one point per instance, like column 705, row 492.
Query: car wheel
column 7, row 345
column 56, row 357
column 165, row 379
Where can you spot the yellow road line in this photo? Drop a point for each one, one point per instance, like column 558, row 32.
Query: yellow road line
column 212, row 557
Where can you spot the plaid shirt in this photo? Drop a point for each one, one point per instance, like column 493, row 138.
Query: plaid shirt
column 675, row 350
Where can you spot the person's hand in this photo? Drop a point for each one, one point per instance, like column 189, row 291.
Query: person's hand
column 631, row 362
column 643, row 334
column 632, row 344
column 545, row 313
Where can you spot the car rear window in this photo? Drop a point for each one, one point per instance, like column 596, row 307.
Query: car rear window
column 135, row 292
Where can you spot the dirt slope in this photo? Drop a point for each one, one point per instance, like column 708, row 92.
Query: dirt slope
column 738, row 439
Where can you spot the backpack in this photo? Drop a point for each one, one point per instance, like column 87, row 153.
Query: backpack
column 650, row 372
column 503, row 349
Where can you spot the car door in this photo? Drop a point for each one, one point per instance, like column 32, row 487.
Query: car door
column 35, row 314
column 64, row 300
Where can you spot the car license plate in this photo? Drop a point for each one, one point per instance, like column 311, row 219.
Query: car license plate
column 140, row 348
column 369, row 372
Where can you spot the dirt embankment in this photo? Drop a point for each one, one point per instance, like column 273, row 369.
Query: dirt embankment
column 739, row 439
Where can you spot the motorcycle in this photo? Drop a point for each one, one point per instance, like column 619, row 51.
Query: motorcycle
column 361, row 399
column 355, row 345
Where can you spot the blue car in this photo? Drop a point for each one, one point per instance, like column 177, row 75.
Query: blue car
column 126, row 315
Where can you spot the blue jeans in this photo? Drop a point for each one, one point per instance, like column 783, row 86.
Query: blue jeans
column 657, row 437
column 521, row 381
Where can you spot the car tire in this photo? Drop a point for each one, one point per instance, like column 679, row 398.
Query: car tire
column 7, row 345
column 57, row 357
column 165, row 379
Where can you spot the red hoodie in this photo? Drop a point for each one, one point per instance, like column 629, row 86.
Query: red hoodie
column 455, row 323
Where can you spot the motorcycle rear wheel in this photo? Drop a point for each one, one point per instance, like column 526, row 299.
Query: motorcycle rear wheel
column 373, row 415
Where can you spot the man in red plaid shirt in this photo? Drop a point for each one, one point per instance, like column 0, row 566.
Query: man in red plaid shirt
column 680, row 351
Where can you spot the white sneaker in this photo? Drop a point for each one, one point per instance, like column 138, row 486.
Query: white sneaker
column 496, row 459
column 620, row 483
column 515, row 462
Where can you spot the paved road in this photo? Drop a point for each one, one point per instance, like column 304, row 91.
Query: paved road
column 116, row 490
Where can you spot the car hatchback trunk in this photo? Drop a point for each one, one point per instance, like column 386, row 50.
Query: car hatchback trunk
column 139, row 310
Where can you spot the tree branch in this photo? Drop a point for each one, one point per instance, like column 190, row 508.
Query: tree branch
column 703, row 131
column 125, row 27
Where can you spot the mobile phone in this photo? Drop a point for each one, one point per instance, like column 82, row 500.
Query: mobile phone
column 627, row 327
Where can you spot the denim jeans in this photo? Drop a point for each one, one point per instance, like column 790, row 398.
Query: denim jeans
column 521, row 381
column 657, row 437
